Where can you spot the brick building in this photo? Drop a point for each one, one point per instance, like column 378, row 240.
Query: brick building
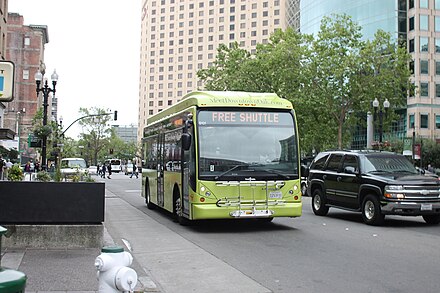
column 25, row 47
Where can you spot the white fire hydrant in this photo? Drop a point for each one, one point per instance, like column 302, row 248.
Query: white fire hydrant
column 114, row 275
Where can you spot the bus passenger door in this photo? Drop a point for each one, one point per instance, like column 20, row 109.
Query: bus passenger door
column 160, row 169
column 188, row 174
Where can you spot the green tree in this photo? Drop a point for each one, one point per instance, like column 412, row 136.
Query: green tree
column 95, row 131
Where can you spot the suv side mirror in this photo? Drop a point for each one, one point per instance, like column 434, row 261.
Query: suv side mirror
column 350, row 170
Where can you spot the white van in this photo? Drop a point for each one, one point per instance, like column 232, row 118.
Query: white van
column 70, row 166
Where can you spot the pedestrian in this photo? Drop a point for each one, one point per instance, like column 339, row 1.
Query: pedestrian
column 8, row 167
column 28, row 170
column 109, row 169
column 98, row 170
column 103, row 171
column 37, row 166
column 2, row 167
column 134, row 171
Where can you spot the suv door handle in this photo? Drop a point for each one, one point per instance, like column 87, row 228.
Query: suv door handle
column 324, row 176
column 339, row 178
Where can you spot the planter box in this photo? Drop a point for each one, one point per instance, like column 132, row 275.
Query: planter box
column 28, row 202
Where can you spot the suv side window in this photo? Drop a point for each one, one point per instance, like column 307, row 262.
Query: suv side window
column 333, row 163
column 319, row 163
column 350, row 161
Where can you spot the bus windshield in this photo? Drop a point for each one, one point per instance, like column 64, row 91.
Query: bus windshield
column 235, row 145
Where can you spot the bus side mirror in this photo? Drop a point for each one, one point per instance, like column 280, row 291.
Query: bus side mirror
column 186, row 141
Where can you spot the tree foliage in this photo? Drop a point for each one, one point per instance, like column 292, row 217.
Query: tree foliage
column 330, row 78
column 95, row 134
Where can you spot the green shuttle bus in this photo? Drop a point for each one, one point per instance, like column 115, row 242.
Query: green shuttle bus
column 223, row 155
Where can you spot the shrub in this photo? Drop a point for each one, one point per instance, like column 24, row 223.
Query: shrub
column 43, row 176
column 15, row 173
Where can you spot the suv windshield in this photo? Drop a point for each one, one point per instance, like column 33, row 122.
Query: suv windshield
column 391, row 163
column 261, row 145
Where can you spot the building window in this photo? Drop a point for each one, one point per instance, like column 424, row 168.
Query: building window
column 437, row 45
column 411, row 66
column 411, row 23
column 424, row 44
column 436, row 4
column 424, row 86
column 424, row 26
column 437, row 67
column 424, row 123
column 411, row 121
column 424, row 67
column 27, row 41
column 437, row 121
column 411, row 46
column 437, row 90
column 423, row 3
column 437, row 23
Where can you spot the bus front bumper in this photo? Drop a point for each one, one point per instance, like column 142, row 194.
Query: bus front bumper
column 212, row 211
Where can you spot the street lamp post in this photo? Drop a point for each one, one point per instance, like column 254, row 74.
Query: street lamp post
column 46, row 90
column 386, row 105
column 19, row 116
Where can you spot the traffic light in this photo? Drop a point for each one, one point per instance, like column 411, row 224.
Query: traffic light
column 115, row 115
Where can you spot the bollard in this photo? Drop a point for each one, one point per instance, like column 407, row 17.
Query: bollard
column 114, row 275
column 11, row 281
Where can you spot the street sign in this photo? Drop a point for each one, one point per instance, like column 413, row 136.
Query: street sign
column 34, row 142
column 7, row 71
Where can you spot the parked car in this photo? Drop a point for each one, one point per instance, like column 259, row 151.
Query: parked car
column 93, row 170
column 72, row 166
column 374, row 183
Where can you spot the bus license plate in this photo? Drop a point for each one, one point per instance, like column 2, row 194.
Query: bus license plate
column 426, row 207
column 275, row 194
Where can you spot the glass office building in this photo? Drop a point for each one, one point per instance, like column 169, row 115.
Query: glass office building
column 417, row 23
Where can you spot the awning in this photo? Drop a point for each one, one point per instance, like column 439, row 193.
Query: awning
column 6, row 134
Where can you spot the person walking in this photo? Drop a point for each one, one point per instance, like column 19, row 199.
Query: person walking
column 8, row 167
column 109, row 169
column 134, row 171
column 28, row 170
column 103, row 171
column 2, row 167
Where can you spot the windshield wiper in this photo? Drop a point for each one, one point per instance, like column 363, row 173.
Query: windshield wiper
column 275, row 172
column 230, row 170
column 379, row 171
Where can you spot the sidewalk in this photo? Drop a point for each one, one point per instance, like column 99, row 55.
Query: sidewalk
column 163, row 260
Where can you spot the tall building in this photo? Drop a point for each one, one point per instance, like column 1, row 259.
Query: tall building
column 180, row 37
column 25, row 47
column 126, row 133
column 415, row 21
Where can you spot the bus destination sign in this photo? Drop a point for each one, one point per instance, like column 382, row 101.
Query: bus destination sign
column 245, row 117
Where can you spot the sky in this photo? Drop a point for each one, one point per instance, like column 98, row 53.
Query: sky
column 94, row 47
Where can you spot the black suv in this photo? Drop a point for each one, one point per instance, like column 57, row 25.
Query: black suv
column 374, row 183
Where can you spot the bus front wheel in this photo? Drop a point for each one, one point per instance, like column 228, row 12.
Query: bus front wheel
column 150, row 205
column 178, row 213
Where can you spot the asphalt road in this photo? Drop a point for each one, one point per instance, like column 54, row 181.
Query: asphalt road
column 336, row 253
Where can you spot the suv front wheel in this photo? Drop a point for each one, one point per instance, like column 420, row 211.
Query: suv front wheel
column 318, row 203
column 371, row 213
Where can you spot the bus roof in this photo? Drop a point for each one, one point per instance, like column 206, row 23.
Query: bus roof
column 223, row 99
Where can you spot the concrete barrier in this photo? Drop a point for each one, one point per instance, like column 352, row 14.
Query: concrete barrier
column 54, row 236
